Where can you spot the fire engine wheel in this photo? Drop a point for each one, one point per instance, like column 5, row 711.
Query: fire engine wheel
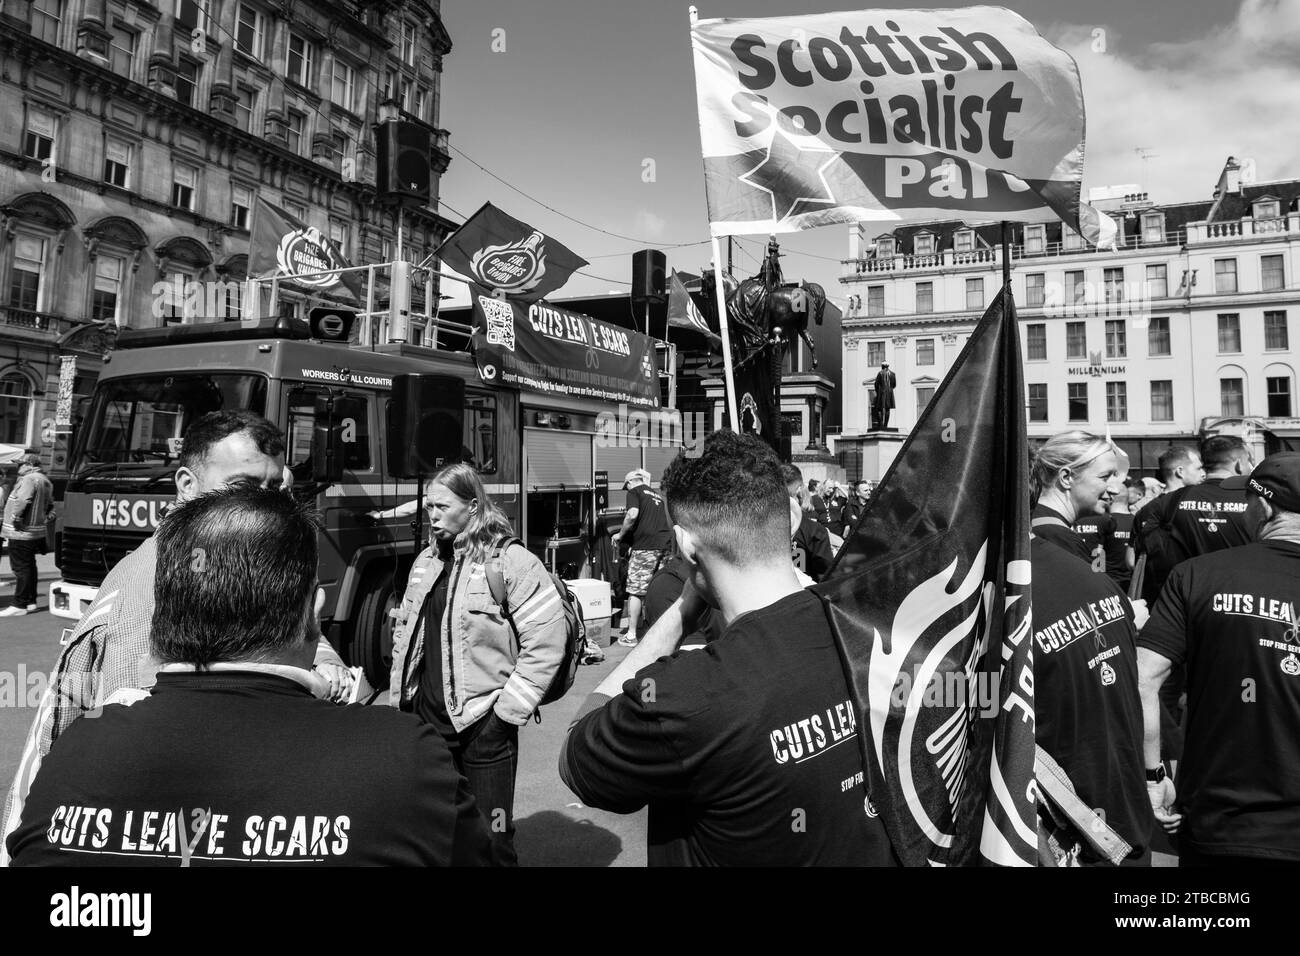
column 372, row 639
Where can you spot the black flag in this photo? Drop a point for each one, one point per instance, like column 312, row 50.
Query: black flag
column 930, row 603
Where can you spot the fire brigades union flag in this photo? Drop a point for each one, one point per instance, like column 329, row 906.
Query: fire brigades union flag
column 886, row 115
column 282, row 245
column 929, row 600
column 498, row 252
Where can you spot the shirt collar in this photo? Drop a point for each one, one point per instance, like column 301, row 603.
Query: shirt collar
column 311, row 681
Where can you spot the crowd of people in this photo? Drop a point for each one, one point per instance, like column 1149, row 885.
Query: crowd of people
column 1167, row 675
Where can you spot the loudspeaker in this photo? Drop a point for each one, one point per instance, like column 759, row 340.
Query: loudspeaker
column 404, row 158
column 425, row 424
column 331, row 324
column 649, row 276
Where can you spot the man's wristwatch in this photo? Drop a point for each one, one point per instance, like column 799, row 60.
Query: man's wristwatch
column 1157, row 775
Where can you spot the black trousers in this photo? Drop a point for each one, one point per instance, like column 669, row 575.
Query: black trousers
column 22, row 558
column 487, row 754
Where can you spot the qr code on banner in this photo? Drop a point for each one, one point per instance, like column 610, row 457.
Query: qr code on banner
column 500, row 322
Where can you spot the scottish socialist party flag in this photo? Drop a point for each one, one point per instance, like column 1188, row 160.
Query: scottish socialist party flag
column 503, row 254
column 887, row 115
column 930, row 604
column 683, row 313
column 284, row 246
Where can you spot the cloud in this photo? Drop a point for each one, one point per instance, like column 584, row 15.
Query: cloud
column 649, row 225
column 1230, row 92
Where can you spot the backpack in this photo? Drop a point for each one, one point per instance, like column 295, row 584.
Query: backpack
column 575, row 639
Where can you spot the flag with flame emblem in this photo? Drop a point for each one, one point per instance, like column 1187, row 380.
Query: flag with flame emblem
column 501, row 253
column 930, row 604
column 283, row 245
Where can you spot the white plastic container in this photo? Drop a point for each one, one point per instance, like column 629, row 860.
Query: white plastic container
column 596, row 601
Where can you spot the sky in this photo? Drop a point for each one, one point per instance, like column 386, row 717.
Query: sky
column 577, row 103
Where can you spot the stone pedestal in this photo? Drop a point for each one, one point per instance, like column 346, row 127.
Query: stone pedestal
column 877, row 448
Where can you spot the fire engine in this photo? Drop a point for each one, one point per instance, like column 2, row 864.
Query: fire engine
column 544, row 458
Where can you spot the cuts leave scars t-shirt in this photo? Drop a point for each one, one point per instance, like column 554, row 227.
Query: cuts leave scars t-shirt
column 1086, row 701
column 747, row 750
column 1232, row 618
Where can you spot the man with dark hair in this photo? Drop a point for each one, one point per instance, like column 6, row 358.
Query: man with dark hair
column 853, row 507
column 234, row 758
column 107, row 658
column 745, row 751
column 1230, row 617
column 810, row 546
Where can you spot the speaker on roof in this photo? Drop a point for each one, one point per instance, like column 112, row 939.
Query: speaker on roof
column 425, row 424
column 649, row 276
column 405, row 166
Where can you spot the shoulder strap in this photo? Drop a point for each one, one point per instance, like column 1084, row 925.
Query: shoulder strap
column 495, row 576
column 1048, row 520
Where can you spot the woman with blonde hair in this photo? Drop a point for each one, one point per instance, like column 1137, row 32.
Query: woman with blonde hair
column 458, row 663
column 1087, row 706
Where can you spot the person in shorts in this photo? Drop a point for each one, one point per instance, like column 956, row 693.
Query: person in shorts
column 649, row 535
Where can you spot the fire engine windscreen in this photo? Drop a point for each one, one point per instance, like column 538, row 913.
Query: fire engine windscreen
column 136, row 423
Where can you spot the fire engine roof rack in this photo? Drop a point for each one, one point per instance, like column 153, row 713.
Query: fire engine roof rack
column 213, row 332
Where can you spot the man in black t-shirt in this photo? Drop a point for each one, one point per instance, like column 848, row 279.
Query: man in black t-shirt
column 746, row 750
column 650, row 539
column 234, row 758
column 1087, row 707
column 665, row 588
column 1231, row 617
column 810, row 545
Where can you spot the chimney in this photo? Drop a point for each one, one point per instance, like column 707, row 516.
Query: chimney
column 1229, row 184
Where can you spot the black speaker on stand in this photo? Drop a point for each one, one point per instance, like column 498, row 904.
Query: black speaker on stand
column 425, row 432
column 649, row 281
column 404, row 162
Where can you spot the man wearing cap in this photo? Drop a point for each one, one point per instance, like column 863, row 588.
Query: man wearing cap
column 1230, row 616
column 650, row 537
column 884, row 396
column 25, row 513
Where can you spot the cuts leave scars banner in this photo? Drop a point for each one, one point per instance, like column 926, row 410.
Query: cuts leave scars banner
column 886, row 115
column 541, row 348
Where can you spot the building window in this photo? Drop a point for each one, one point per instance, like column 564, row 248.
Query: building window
column 47, row 16
column 1113, row 284
column 875, row 354
column 1162, row 401
column 108, row 289
column 1076, row 340
column 241, row 201
column 923, row 395
column 964, row 241
column 1153, row 227
column 1279, row 397
column 925, row 297
column 975, row 293
column 250, row 34
column 339, row 236
column 178, row 283
column 1230, row 332
column 121, row 50
column 925, row 351
column 1157, row 281
column 1275, row 336
column 1116, row 402
column 1036, row 337
column 875, row 300
column 185, row 180
column 15, row 409
column 1232, row 398
column 117, row 163
column 1266, row 209
column 297, row 210
column 404, row 94
column 193, row 13
column 297, row 125
column 187, row 81
column 343, row 88
column 408, row 43
column 923, row 244
column 885, row 248
column 1116, row 339
column 1035, row 286
column 342, row 144
column 1272, row 278
column 1225, row 275
column 1038, row 403
column 42, row 127
column 1078, row 405
column 1070, row 240
column 1076, row 292
column 1035, row 240
column 27, row 274
column 245, row 108
column 302, row 59
column 1158, row 336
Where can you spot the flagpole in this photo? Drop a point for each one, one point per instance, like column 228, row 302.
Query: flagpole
column 1006, row 256
column 720, row 297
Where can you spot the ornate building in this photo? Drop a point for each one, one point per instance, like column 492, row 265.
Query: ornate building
column 137, row 139
column 1179, row 331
